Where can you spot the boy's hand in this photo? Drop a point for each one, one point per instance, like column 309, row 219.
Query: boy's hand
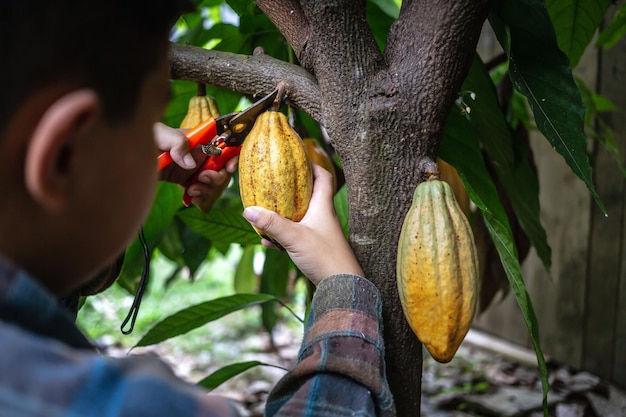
column 211, row 184
column 316, row 244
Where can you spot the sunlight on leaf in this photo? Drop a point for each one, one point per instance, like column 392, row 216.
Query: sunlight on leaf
column 575, row 23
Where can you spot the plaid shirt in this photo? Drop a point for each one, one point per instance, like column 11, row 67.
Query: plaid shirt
column 49, row 369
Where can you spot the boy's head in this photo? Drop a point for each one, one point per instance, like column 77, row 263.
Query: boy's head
column 84, row 83
column 108, row 45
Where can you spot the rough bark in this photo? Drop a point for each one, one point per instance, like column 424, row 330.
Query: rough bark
column 384, row 113
column 253, row 75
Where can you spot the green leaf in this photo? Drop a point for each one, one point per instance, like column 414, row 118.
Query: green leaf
column 210, row 3
column 341, row 208
column 195, row 249
column 508, row 155
column 183, row 246
column 304, row 124
column 242, row 7
column 189, row 27
column 177, row 107
column 389, row 7
column 220, row 225
column 615, row 32
column 599, row 129
column 198, row 315
column 230, row 38
column 540, row 71
column 227, row 372
column 575, row 23
column 245, row 278
column 171, row 245
column 380, row 16
column 260, row 30
column 274, row 280
column 461, row 149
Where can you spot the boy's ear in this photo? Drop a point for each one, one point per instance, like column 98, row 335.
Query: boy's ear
column 49, row 154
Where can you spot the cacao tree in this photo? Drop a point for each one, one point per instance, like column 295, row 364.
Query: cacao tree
column 391, row 85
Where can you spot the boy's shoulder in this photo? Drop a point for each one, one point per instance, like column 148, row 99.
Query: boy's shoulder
column 49, row 368
column 28, row 305
column 42, row 376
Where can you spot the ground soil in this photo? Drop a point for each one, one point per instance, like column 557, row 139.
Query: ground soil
column 477, row 382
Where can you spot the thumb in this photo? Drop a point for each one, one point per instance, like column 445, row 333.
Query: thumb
column 268, row 222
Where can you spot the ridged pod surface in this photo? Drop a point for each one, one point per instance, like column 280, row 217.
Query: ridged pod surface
column 274, row 171
column 200, row 109
column 437, row 270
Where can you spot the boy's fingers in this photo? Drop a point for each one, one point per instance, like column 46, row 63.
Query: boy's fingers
column 231, row 165
column 267, row 221
column 174, row 141
column 209, row 176
column 321, row 200
column 323, row 179
column 279, row 227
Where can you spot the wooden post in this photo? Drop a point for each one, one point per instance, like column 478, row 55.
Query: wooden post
column 605, row 321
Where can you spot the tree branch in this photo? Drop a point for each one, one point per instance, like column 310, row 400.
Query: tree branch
column 254, row 75
column 288, row 17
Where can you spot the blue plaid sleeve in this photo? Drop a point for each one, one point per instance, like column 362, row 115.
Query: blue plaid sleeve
column 41, row 377
column 340, row 369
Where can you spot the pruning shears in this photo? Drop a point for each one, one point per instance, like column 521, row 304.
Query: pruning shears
column 220, row 138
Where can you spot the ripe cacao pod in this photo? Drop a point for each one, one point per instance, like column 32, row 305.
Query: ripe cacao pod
column 318, row 155
column 274, row 171
column 437, row 270
column 200, row 109
column 449, row 174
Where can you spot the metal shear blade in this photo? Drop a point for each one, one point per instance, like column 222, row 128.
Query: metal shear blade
column 241, row 123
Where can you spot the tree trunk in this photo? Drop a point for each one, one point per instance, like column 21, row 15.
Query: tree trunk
column 384, row 113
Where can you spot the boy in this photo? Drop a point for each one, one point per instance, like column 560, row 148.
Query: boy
column 77, row 147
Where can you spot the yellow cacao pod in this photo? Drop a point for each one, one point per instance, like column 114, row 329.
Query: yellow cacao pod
column 200, row 109
column 449, row 174
column 437, row 270
column 274, row 171
column 318, row 155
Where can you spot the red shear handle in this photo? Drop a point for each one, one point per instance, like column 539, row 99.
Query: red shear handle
column 214, row 163
column 202, row 134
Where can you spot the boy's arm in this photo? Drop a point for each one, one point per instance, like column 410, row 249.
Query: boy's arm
column 340, row 368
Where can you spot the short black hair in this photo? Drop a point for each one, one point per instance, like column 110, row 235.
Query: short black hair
column 108, row 45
